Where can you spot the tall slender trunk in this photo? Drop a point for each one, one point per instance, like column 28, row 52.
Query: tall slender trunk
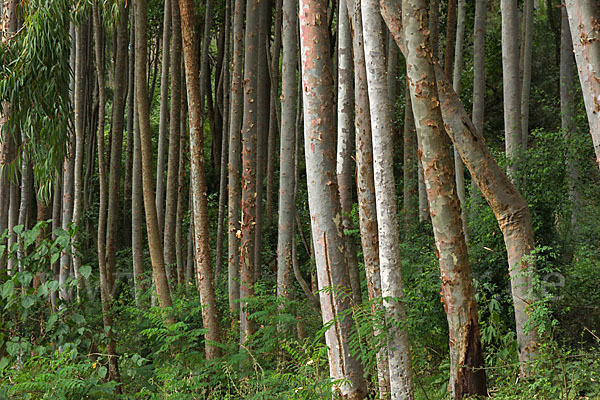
column 567, row 115
column 511, row 83
column 163, row 118
column 323, row 195
column 287, row 156
column 466, row 357
column 398, row 344
column 130, row 141
column 183, row 197
column 365, row 185
column 224, row 142
column 526, row 60
column 204, row 273
column 105, row 290
column 26, row 184
column 141, row 90
column 234, row 188
column 459, row 169
column 450, row 37
column 117, row 124
column 345, row 131
column 585, row 31
column 13, row 217
column 249, row 170
column 173, row 162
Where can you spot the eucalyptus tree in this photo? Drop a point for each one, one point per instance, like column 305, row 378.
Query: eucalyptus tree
column 525, row 67
column 458, row 295
column 235, row 127
column 398, row 345
column 287, row 198
column 204, row 272
column 365, row 185
column 250, row 166
column 323, row 196
column 585, row 31
column 509, row 207
column 141, row 91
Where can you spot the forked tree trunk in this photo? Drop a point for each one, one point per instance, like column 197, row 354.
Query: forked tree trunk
column 466, row 358
column 584, row 17
column 235, row 127
column 365, row 185
column 141, row 90
column 323, row 195
column 204, row 273
column 287, row 200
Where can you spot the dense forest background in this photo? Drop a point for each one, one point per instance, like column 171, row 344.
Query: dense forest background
column 313, row 199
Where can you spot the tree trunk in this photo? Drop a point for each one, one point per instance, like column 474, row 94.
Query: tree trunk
column 411, row 167
column 141, row 90
column 398, row 344
column 183, row 194
column 323, row 195
column 511, row 83
column 450, row 38
column 526, row 59
column 466, row 357
column 568, row 121
column 163, row 118
column 249, row 174
column 204, row 273
column 287, row 200
column 105, row 290
column 585, row 31
column 345, row 129
column 173, row 162
column 224, row 142
column 233, row 190
column 367, row 212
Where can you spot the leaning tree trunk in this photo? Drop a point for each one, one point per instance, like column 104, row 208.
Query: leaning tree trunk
column 511, row 83
column 204, row 273
column 235, row 127
column 365, row 185
column 323, row 196
column 466, row 358
column 509, row 207
column 141, row 90
column 173, row 161
column 287, row 201
column 249, row 152
column 345, row 130
column 584, row 17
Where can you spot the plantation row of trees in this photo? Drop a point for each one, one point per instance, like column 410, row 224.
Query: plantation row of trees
column 266, row 190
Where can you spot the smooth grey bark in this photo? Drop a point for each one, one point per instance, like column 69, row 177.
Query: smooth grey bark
column 525, row 61
column 567, row 117
column 323, row 196
column 585, row 32
column 173, row 162
column 398, row 344
column 365, row 185
column 287, row 156
column 234, row 188
column 511, row 84
column 345, row 132
column 26, row 185
column 459, row 169
column 163, row 117
column 13, row 217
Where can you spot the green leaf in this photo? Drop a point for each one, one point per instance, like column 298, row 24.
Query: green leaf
column 51, row 321
column 28, row 301
column 85, row 271
column 102, row 371
column 8, row 288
